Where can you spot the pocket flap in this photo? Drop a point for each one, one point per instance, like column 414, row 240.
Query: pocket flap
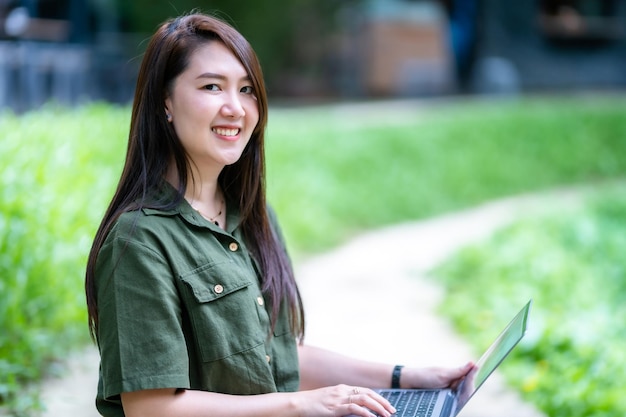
column 214, row 281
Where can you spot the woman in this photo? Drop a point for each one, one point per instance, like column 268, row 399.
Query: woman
column 190, row 291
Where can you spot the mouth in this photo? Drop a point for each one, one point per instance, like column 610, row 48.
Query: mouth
column 227, row 132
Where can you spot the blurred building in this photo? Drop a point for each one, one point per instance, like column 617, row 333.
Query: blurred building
column 550, row 45
column 434, row 47
column 395, row 48
column 71, row 51
column 68, row 51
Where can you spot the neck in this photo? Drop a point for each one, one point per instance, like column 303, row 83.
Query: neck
column 202, row 186
column 204, row 195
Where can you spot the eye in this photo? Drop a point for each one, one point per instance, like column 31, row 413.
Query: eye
column 247, row 89
column 211, row 87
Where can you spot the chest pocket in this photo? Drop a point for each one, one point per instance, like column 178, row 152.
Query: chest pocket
column 220, row 299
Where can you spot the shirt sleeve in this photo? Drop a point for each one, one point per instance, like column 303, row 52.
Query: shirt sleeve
column 140, row 333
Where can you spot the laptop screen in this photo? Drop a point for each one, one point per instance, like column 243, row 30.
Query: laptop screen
column 496, row 353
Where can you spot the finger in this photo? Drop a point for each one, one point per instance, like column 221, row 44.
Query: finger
column 464, row 372
column 377, row 407
column 465, row 369
column 363, row 393
column 366, row 409
column 382, row 400
column 369, row 399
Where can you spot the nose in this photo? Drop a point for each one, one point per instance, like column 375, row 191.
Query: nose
column 232, row 106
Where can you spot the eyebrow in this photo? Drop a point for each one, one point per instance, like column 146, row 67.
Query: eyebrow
column 219, row 76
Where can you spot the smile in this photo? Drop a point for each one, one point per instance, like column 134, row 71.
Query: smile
column 226, row 132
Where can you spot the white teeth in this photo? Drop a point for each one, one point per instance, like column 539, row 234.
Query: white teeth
column 226, row 132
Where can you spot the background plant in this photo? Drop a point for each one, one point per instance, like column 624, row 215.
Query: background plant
column 573, row 267
column 58, row 168
column 295, row 48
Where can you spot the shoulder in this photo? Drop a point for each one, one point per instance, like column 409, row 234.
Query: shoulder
column 271, row 215
column 275, row 226
column 137, row 222
column 146, row 227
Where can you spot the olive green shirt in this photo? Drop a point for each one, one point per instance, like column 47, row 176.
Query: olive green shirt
column 180, row 306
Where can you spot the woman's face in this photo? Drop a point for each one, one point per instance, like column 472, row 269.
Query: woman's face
column 213, row 107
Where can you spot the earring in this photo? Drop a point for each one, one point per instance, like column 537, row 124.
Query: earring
column 168, row 116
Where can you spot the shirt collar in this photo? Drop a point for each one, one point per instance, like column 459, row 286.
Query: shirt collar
column 189, row 214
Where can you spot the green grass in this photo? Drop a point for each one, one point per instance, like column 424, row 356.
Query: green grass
column 332, row 172
column 572, row 264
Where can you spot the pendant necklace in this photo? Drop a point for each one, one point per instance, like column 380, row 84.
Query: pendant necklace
column 212, row 219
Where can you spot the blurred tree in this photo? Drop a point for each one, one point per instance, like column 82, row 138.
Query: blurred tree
column 291, row 37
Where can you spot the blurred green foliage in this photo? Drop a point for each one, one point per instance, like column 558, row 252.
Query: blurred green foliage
column 332, row 172
column 289, row 36
column 58, row 169
column 572, row 264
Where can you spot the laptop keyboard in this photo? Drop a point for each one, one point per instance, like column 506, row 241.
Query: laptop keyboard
column 412, row 403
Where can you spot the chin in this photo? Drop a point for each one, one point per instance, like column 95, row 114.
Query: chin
column 230, row 161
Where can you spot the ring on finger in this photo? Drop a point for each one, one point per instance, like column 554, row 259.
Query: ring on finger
column 355, row 390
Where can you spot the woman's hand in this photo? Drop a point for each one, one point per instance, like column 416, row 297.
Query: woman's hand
column 342, row 400
column 434, row 377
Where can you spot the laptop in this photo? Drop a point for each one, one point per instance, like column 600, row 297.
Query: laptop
column 449, row 402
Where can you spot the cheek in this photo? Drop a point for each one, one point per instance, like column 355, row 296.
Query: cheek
column 188, row 103
column 253, row 115
column 182, row 134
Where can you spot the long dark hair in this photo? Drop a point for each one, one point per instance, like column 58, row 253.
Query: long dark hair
column 153, row 146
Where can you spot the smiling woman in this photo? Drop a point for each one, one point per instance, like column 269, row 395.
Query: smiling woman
column 214, row 111
column 190, row 291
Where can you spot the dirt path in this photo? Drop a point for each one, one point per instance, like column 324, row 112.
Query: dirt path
column 359, row 296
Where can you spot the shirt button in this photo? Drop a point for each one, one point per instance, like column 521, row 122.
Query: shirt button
column 260, row 301
column 267, row 357
column 218, row 289
column 233, row 247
